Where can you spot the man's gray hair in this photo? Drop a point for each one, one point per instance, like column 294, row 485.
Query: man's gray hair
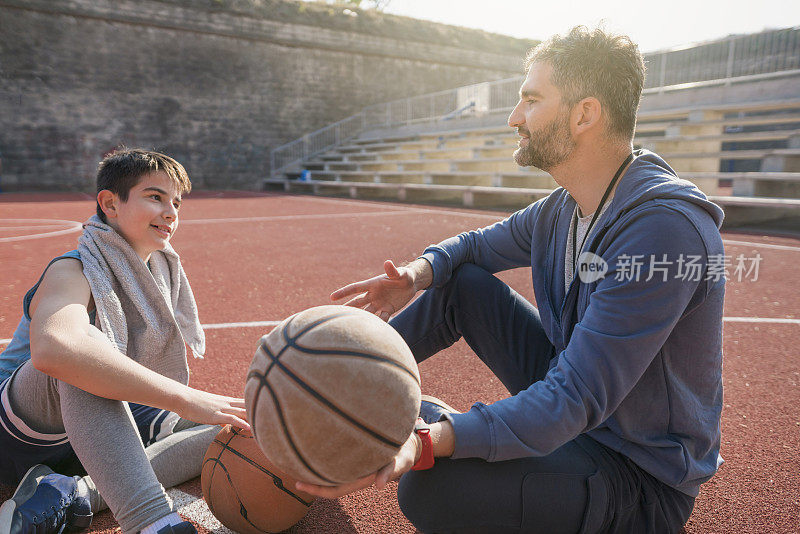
column 596, row 63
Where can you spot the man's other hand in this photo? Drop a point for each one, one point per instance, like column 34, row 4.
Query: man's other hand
column 399, row 464
column 386, row 294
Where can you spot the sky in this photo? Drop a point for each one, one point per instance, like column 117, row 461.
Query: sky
column 653, row 25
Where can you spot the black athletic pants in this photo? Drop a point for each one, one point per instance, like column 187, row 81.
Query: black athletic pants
column 582, row 486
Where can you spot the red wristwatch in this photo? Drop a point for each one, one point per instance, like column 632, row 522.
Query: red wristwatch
column 423, row 430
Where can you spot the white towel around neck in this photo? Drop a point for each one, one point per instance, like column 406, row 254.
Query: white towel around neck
column 149, row 313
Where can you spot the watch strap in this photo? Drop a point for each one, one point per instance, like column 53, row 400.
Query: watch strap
column 423, row 431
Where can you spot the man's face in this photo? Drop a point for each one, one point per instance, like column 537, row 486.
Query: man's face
column 542, row 121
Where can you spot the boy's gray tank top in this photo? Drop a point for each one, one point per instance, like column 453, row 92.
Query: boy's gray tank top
column 18, row 350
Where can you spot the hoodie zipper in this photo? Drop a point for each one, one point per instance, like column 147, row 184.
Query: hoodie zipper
column 598, row 235
column 549, row 276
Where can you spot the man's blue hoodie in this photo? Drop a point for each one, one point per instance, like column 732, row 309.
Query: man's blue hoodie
column 639, row 361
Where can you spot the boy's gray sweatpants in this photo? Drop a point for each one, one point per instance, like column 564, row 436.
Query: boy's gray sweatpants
column 103, row 434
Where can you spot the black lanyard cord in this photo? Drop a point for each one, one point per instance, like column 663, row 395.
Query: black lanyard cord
column 610, row 187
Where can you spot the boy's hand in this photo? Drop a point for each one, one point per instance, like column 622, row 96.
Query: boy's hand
column 244, row 432
column 210, row 409
column 67, row 347
column 386, row 294
column 401, row 463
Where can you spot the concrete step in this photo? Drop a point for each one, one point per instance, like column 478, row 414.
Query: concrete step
column 499, row 165
column 738, row 210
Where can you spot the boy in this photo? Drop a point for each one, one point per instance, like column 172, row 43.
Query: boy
column 107, row 325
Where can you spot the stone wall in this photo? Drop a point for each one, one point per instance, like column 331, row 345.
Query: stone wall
column 214, row 83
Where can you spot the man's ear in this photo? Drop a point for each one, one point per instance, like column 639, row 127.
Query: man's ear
column 586, row 115
column 108, row 202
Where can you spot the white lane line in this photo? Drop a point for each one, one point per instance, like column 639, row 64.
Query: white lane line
column 768, row 320
column 397, row 207
column 29, row 227
column 251, row 324
column 337, row 201
column 492, row 216
column 398, row 210
column 296, row 217
column 258, row 324
column 213, row 326
column 39, row 222
column 196, row 510
column 760, row 245
column 73, row 226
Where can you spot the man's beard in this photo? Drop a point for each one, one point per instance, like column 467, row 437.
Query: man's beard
column 547, row 147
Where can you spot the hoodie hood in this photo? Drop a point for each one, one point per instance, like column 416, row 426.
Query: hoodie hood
column 650, row 177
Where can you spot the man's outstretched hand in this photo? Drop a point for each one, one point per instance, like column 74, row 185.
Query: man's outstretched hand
column 386, row 294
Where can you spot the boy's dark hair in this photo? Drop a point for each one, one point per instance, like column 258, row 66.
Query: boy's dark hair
column 596, row 63
column 120, row 171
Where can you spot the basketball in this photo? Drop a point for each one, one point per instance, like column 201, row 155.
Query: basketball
column 332, row 394
column 244, row 490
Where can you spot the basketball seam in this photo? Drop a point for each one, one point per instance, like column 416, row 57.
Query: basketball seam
column 265, row 385
column 331, row 406
column 255, row 402
column 213, row 469
column 276, row 480
column 236, row 493
column 365, row 355
column 291, row 341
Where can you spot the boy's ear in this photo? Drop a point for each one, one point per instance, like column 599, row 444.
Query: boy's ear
column 108, row 203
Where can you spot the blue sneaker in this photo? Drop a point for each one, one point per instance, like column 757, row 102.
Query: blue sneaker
column 184, row 527
column 45, row 503
column 24, row 491
column 431, row 409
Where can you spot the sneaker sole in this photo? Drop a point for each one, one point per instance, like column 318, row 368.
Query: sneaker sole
column 432, row 400
column 24, row 491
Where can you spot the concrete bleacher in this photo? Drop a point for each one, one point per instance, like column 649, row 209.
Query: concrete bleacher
column 473, row 165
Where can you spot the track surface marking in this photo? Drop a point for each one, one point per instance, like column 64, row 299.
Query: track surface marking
column 267, row 256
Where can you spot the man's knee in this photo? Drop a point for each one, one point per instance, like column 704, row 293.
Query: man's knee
column 448, row 499
column 471, row 285
column 470, row 275
column 415, row 502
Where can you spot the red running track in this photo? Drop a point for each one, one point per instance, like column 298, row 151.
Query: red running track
column 262, row 257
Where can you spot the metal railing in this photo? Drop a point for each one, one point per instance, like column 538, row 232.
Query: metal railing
column 731, row 57
column 286, row 155
column 476, row 99
column 718, row 62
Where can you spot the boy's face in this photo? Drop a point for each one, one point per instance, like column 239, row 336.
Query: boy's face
column 149, row 218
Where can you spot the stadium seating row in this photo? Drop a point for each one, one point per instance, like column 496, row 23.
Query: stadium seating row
column 746, row 156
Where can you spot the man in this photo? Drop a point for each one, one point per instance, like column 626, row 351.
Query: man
column 615, row 380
